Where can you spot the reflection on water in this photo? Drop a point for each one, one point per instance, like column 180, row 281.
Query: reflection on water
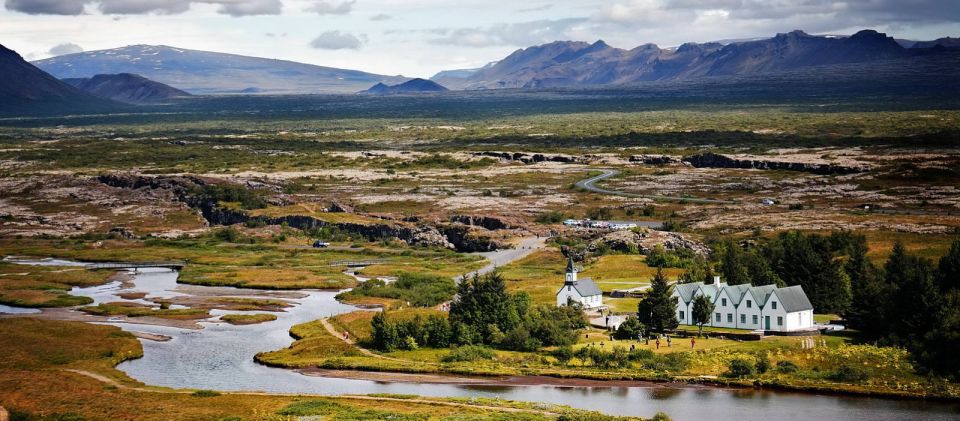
column 220, row 357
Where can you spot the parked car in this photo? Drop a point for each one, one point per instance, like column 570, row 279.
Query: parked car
column 320, row 244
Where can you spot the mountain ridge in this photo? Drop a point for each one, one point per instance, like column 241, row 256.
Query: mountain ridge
column 206, row 72
column 127, row 87
column 24, row 88
column 581, row 64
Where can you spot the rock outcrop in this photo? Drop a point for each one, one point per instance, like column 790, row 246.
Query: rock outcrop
column 654, row 159
column 485, row 221
column 528, row 158
column 713, row 160
column 644, row 241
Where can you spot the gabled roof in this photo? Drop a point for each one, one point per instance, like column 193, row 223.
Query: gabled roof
column 793, row 299
column 737, row 292
column 686, row 291
column 762, row 293
column 586, row 287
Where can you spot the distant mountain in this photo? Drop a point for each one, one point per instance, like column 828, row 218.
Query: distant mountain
column 201, row 72
column 454, row 79
column 579, row 64
column 946, row 42
column 25, row 90
column 128, row 88
column 411, row 86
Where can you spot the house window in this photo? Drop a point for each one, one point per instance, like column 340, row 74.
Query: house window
column 754, row 319
column 681, row 314
column 749, row 303
column 773, row 304
column 729, row 317
column 718, row 317
column 723, row 302
column 743, row 318
column 779, row 320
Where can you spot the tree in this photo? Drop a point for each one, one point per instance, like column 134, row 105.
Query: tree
column 732, row 268
column 384, row 333
column 483, row 301
column 869, row 292
column 563, row 354
column 812, row 262
column 698, row 270
column 657, row 310
column 629, row 329
column 948, row 270
column 916, row 298
column 702, row 309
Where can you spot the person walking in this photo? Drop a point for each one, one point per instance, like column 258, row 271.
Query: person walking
column 693, row 342
column 658, row 342
column 668, row 341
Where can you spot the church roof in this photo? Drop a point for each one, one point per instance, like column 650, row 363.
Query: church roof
column 586, row 287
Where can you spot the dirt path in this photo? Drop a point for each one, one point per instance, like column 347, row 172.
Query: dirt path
column 339, row 335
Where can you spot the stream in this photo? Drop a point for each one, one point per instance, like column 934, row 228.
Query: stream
column 220, row 357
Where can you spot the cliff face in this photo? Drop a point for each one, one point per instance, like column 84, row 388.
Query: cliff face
column 712, row 160
column 463, row 233
column 527, row 158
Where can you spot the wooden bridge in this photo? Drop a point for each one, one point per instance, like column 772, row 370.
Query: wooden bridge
column 135, row 265
column 356, row 263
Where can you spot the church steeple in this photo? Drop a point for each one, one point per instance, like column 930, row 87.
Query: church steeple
column 571, row 276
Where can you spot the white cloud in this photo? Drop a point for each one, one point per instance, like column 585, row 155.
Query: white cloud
column 328, row 8
column 514, row 34
column 251, row 7
column 336, row 40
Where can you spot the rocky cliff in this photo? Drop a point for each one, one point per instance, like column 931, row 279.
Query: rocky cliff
column 712, row 160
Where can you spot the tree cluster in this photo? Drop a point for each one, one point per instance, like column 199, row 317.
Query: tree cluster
column 657, row 310
column 483, row 313
column 420, row 290
column 910, row 302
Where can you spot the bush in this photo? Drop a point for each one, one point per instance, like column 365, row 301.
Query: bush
column 848, row 374
column 740, row 367
column 786, row 367
column 468, row 353
column 205, row 394
column 551, row 217
column 763, row 363
column 563, row 354
column 629, row 329
column 519, row 339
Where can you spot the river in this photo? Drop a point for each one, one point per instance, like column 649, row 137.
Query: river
column 220, row 357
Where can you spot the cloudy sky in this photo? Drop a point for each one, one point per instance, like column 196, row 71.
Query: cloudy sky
column 421, row 37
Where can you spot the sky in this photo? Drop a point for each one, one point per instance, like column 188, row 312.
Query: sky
column 418, row 38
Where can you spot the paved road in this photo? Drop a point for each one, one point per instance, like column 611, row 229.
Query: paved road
column 503, row 257
column 589, row 185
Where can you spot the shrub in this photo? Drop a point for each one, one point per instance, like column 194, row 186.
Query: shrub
column 563, row 354
column 629, row 329
column 468, row 353
column 551, row 217
column 205, row 393
column 786, row 367
column 763, row 363
column 740, row 367
column 848, row 374
column 661, row 416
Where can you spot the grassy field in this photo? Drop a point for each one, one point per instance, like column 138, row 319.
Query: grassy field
column 46, row 286
column 263, row 266
column 248, row 319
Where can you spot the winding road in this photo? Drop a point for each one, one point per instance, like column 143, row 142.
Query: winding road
column 589, row 185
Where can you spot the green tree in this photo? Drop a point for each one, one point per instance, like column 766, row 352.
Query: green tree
column 870, row 294
column 698, row 270
column 915, row 299
column 811, row 262
column 948, row 270
column 657, row 310
column 483, row 301
column 702, row 309
column 384, row 333
column 732, row 267
column 629, row 329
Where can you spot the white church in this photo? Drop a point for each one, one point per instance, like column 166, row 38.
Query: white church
column 765, row 307
column 583, row 291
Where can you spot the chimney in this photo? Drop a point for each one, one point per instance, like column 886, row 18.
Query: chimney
column 716, row 280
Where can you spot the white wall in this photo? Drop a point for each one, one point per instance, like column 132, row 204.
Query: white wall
column 569, row 292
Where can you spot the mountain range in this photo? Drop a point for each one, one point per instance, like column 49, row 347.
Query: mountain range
column 203, row 72
column 579, row 64
column 127, row 88
column 411, row 86
column 27, row 89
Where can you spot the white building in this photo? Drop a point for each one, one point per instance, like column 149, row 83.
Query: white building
column 582, row 291
column 765, row 307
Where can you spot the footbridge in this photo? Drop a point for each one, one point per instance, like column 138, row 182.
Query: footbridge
column 135, row 265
